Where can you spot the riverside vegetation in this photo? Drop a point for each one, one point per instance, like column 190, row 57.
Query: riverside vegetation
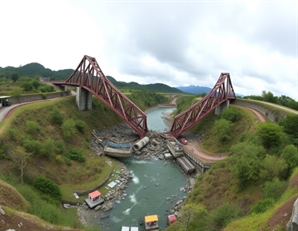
column 244, row 191
column 46, row 146
column 240, row 193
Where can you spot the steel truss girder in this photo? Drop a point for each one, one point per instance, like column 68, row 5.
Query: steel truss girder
column 89, row 76
column 221, row 92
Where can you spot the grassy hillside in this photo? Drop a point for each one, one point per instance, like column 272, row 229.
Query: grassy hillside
column 41, row 135
column 249, row 186
column 33, row 125
column 241, row 130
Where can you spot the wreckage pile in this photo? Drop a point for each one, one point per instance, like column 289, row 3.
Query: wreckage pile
column 122, row 133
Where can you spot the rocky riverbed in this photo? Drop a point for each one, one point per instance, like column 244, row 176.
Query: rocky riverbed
column 122, row 133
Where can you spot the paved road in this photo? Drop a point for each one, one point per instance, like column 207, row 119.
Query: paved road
column 277, row 106
column 195, row 150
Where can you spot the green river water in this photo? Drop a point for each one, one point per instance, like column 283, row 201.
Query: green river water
column 154, row 189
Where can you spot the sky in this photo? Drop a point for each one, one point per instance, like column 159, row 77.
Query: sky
column 178, row 43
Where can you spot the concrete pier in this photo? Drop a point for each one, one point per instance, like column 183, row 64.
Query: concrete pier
column 83, row 99
column 221, row 107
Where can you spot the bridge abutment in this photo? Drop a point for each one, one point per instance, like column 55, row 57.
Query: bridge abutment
column 83, row 99
column 221, row 107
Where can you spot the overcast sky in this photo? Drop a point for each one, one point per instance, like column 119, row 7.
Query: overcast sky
column 178, row 43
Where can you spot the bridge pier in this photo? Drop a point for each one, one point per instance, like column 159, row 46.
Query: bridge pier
column 83, row 99
column 221, row 107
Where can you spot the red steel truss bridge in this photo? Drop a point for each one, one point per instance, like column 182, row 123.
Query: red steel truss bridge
column 90, row 77
column 222, row 92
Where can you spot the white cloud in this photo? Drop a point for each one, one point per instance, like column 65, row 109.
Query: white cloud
column 175, row 43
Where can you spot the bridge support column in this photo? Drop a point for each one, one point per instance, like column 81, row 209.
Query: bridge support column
column 83, row 99
column 221, row 107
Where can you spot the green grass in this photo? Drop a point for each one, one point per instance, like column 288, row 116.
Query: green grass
column 241, row 129
column 67, row 190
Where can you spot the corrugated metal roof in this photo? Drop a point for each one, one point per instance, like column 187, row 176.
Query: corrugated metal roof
column 151, row 218
column 94, row 194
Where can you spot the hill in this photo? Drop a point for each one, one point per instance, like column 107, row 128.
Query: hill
column 36, row 69
column 192, row 89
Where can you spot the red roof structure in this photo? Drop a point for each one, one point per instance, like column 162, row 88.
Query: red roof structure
column 94, row 194
column 171, row 219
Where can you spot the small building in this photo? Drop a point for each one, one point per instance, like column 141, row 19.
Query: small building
column 134, row 228
column 4, row 101
column 151, row 223
column 171, row 219
column 94, row 199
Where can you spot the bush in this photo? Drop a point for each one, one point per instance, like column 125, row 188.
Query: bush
column 56, row 116
column 273, row 189
column 219, row 218
column 81, row 126
column 47, row 148
column 68, row 129
column 222, row 129
column 75, row 154
column 262, row 206
column 32, row 128
column 33, row 146
column 59, row 159
column 232, row 114
column 60, row 147
column 48, row 187
column 12, row 134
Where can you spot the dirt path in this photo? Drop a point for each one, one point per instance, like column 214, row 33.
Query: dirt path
column 195, row 150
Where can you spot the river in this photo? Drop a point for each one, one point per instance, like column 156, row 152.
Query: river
column 154, row 189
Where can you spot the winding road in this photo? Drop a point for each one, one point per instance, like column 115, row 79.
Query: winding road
column 193, row 146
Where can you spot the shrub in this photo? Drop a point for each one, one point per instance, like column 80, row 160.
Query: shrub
column 219, row 218
column 47, row 148
column 33, row 146
column 262, row 206
column 59, row 159
column 75, row 154
column 232, row 114
column 222, row 129
column 273, row 189
column 12, row 134
column 32, row 128
column 48, row 187
column 81, row 126
column 56, row 116
column 60, row 147
column 68, row 129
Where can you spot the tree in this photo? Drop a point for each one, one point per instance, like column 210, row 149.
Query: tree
column 189, row 213
column 271, row 134
column 290, row 155
column 272, row 167
column 290, row 125
column 19, row 156
column 14, row 76
column 221, row 129
column 232, row 114
column 245, row 159
column 268, row 97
